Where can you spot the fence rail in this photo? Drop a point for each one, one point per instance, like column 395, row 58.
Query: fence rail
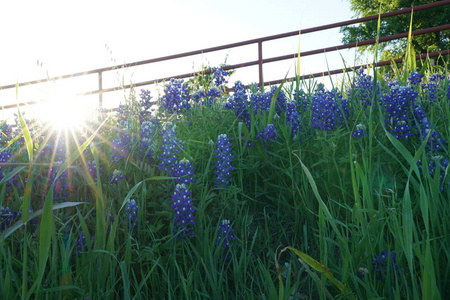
column 260, row 61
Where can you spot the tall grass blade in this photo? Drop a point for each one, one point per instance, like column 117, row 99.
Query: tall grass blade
column 318, row 267
column 11, row 229
column 273, row 102
column 26, row 135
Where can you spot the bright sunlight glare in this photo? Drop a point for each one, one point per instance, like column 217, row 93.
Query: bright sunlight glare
column 63, row 113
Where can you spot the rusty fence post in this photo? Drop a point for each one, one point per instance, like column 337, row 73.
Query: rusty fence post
column 260, row 65
column 100, row 89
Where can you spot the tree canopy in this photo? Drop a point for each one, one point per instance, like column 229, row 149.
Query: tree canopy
column 398, row 24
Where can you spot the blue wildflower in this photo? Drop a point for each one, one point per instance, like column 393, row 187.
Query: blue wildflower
column 92, row 169
column 183, row 172
column 426, row 129
column 5, row 157
column 360, row 131
column 268, row 135
column 146, row 104
column 211, row 96
column 433, row 86
column 130, row 214
column 176, row 97
column 260, row 102
column 171, row 147
column 293, row 118
column 399, row 105
column 123, row 114
column 384, row 262
column 225, row 234
column 182, row 206
column 415, row 78
column 82, row 244
column 147, row 132
column 448, row 91
column 238, row 102
column 436, row 163
column 117, row 176
column 361, row 91
column 329, row 110
column 223, row 163
column 219, row 76
column 120, row 146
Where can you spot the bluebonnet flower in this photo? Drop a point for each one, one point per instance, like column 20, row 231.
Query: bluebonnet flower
column 206, row 98
column 293, row 118
column 171, row 147
column 268, row 135
column 361, row 91
column 225, row 234
column 238, row 102
column 6, row 133
column 120, row 146
column 147, row 132
column 435, row 141
column 123, row 114
column 219, row 76
column 384, row 262
column 301, row 100
column 197, row 97
column 92, row 168
column 82, row 244
column 433, row 86
column 176, row 97
column 130, row 214
column 211, row 96
column 329, row 110
column 146, row 105
column 415, row 78
column 182, row 206
column 5, row 157
column 436, row 163
column 223, row 163
column 260, row 102
column 225, row 237
column 448, row 92
column 320, row 88
column 116, row 176
column 360, row 131
column 391, row 82
column 399, row 105
column 183, row 172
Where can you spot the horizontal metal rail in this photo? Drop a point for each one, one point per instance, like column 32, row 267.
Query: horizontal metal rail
column 260, row 61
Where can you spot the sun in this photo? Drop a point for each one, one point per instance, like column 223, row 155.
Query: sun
column 63, row 113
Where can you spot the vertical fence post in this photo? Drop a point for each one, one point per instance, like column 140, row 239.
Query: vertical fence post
column 260, row 65
column 100, row 88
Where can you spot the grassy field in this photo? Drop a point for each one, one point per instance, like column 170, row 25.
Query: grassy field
column 294, row 192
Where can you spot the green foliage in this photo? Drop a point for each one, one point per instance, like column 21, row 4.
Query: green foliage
column 399, row 24
column 334, row 200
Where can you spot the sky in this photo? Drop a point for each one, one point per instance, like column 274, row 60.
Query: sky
column 51, row 38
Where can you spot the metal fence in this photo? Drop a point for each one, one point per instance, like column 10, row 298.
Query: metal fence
column 260, row 61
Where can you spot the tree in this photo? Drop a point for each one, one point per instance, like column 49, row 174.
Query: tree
column 398, row 24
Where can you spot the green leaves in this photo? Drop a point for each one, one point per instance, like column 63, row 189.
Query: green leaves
column 316, row 266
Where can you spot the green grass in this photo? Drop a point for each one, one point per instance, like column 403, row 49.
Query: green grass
column 334, row 200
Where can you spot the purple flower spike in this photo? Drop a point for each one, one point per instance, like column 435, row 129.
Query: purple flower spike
column 225, row 234
column 223, row 163
column 268, row 135
column 117, row 176
column 131, row 211
column 182, row 206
